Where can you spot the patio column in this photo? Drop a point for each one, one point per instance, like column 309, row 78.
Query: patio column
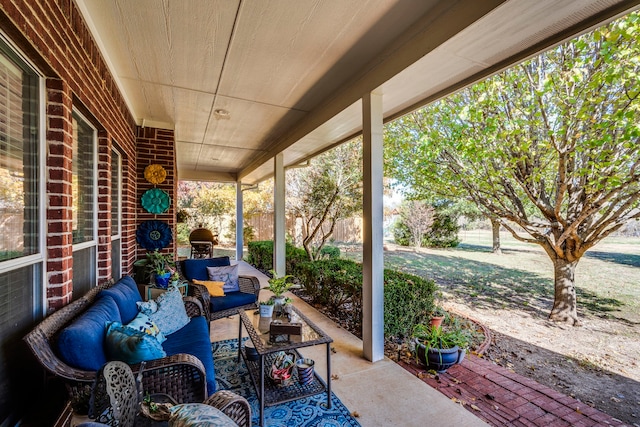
column 239, row 222
column 279, row 264
column 373, row 256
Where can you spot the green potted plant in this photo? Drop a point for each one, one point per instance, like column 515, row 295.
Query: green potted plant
column 160, row 267
column 286, row 305
column 438, row 348
column 279, row 285
column 266, row 308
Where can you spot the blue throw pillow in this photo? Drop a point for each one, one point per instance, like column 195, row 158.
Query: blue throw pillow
column 171, row 314
column 130, row 346
column 228, row 275
column 197, row 268
column 81, row 344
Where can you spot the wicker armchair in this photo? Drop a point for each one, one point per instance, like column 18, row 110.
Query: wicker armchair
column 181, row 376
column 248, row 285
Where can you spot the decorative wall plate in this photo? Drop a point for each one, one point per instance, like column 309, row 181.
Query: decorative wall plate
column 155, row 174
column 153, row 235
column 156, row 201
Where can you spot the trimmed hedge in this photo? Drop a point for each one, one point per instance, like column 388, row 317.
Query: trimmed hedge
column 337, row 284
column 261, row 256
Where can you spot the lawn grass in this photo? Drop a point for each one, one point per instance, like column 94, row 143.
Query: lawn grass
column 607, row 278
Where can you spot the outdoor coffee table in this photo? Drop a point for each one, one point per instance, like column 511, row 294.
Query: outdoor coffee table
column 269, row 393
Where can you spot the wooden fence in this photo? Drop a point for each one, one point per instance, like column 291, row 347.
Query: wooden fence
column 346, row 231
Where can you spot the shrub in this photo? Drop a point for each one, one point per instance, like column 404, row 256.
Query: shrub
column 261, row 256
column 334, row 283
column 337, row 284
column 408, row 300
column 444, row 232
column 401, row 233
column 329, row 252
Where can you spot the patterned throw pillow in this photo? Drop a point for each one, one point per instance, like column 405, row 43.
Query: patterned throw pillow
column 130, row 346
column 143, row 323
column 216, row 289
column 228, row 275
column 171, row 315
column 147, row 307
column 198, row 414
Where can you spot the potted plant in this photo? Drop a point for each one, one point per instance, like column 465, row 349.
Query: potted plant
column 160, row 267
column 266, row 308
column 439, row 349
column 279, row 285
column 437, row 316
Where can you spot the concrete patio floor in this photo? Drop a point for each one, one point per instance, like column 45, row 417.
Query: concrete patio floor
column 381, row 393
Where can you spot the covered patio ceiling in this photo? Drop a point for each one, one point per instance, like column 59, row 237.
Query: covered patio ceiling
column 242, row 80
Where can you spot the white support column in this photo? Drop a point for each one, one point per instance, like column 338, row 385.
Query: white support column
column 279, row 248
column 239, row 222
column 373, row 256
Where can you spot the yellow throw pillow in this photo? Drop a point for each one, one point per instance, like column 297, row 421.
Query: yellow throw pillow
column 214, row 288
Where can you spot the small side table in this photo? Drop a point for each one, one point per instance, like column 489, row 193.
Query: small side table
column 152, row 292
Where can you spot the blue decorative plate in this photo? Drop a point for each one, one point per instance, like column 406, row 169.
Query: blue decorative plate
column 153, row 235
column 156, row 201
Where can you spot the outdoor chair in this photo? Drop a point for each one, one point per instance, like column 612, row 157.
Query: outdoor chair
column 116, row 396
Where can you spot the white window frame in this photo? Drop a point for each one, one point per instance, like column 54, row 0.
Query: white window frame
column 94, row 241
column 39, row 294
column 118, row 236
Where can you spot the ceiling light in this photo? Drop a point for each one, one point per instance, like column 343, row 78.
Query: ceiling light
column 221, row 114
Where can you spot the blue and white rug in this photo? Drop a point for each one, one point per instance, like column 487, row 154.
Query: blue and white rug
column 307, row 412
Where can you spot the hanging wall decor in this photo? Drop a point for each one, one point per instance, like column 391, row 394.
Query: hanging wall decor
column 155, row 174
column 153, row 235
column 156, row 201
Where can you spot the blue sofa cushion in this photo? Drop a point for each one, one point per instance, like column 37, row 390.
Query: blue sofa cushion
column 125, row 293
column 194, row 339
column 231, row 300
column 197, row 268
column 81, row 344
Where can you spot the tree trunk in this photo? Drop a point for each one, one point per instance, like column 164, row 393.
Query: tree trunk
column 564, row 301
column 495, row 228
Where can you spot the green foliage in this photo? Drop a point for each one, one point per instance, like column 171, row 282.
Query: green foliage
column 408, row 300
column 159, row 263
column 401, row 233
column 337, row 284
column 443, row 233
column 327, row 190
column 549, row 146
column 329, row 252
column 261, row 256
column 279, row 284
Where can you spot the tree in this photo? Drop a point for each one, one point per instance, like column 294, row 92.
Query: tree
column 328, row 190
column 550, row 146
column 418, row 216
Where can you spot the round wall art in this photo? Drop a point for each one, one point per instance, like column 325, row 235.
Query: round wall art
column 155, row 174
column 156, row 201
column 153, row 235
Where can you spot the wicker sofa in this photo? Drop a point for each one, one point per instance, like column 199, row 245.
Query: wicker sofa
column 181, row 374
column 219, row 307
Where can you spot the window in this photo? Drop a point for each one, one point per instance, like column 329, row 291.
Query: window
column 116, row 214
column 21, row 222
column 84, row 215
column 83, row 181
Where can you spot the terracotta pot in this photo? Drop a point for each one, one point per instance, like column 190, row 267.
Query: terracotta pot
column 436, row 321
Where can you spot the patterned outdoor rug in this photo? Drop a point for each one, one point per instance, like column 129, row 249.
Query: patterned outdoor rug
column 308, row 412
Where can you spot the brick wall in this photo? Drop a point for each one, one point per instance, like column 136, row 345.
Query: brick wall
column 157, row 146
column 55, row 38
